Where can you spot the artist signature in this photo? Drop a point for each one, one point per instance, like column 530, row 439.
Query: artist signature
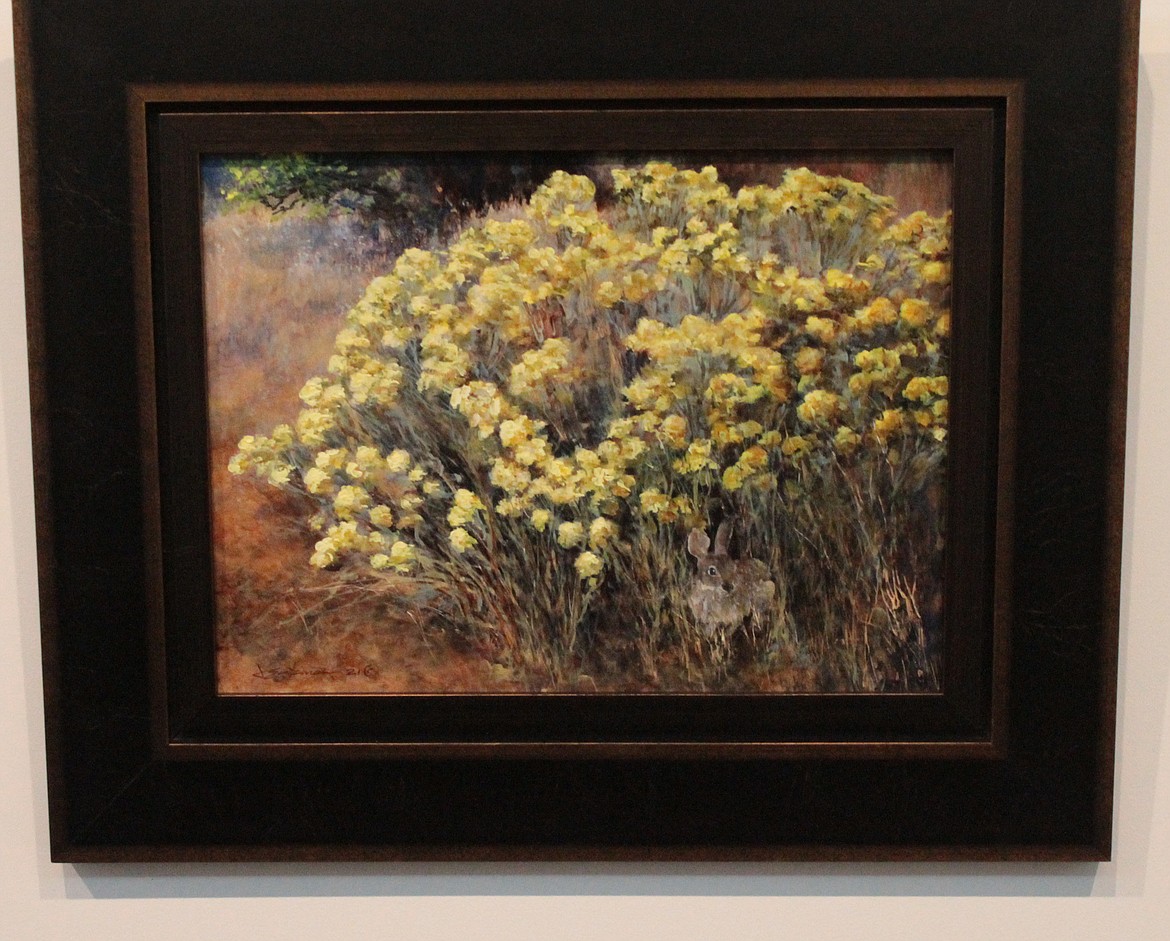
column 283, row 674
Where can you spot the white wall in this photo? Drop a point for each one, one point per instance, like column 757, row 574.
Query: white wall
column 1128, row 898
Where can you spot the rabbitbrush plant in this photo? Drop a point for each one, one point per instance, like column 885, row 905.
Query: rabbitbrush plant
column 518, row 430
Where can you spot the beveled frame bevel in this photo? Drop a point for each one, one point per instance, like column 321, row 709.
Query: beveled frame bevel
column 978, row 123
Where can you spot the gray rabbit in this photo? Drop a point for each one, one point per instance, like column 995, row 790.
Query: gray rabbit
column 726, row 591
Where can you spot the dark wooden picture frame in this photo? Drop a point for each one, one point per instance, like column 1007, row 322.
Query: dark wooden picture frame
column 1013, row 759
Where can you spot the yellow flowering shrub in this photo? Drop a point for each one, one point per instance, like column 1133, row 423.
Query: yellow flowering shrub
column 535, row 414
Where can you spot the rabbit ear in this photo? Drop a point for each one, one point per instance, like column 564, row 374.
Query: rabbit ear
column 698, row 543
column 722, row 537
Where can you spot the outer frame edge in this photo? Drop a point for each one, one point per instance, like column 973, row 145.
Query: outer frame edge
column 28, row 155
column 65, row 850
column 1130, row 32
column 1015, row 854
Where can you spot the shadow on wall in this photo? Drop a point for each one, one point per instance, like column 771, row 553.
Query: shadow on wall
column 356, row 880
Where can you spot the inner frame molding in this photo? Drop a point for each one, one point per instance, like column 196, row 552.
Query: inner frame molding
column 172, row 127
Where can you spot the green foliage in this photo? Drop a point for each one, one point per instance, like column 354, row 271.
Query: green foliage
column 282, row 182
column 410, row 197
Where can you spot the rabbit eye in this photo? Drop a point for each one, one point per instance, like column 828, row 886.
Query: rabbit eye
column 711, row 570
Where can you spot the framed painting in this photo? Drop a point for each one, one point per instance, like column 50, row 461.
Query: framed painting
column 511, row 455
column 554, row 466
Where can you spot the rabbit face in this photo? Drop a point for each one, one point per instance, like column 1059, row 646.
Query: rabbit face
column 717, row 572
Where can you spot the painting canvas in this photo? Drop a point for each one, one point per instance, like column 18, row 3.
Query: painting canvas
column 578, row 423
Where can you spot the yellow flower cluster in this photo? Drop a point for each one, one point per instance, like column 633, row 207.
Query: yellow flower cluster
column 483, row 406
column 619, row 354
column 749, row 466
column 348, row 537
column 666, row 509
column 400, row 558
column 819, row 407
column 562, row 195
column 370, row 497
column 266, row 456
column 465, row 506
column 547, row 367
